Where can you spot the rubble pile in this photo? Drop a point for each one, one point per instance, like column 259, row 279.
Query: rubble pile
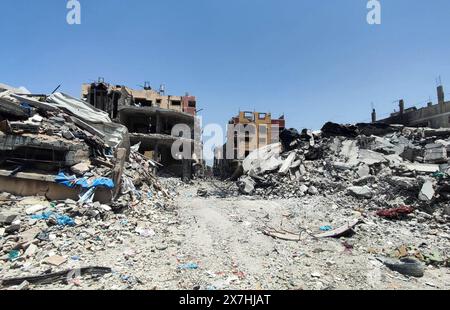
column 84, row 188
column 384, row 166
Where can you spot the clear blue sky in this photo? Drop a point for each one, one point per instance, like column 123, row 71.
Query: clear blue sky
column 313, row 60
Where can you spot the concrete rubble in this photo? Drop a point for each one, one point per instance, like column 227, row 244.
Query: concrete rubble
column 71, row 183
column 354, row 161
column 351, row 206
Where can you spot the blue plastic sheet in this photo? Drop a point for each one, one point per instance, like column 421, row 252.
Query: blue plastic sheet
column 188, row 266
column 62, row 220
column 72, row 181
column 326, row 228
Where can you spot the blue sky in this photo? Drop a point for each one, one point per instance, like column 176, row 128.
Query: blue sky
column 312, row 60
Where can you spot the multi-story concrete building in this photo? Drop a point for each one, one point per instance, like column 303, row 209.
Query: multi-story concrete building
column 150, row 117
column 246, row 132
column 433, row 115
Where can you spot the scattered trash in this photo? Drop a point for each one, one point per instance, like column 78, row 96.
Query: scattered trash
column 61, row 220
column 145, row 232
column 406, row 266
column 326, row 228
column 71, row 181
column 341, row 231
column 13, row 255
column 281, row 234
column 61, row 276
column 188, row 266
column 202, row 192
column 395, row 213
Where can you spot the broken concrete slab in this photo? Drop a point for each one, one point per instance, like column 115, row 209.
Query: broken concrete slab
column 342, row 166
column 435, row 154
column 423, row 168
column 447, row 210
column 287, row 164
column 271, row 164
column 350, row 151
column 363, row 171
column 312, row 190
column 7, row 219
column 30, row 234
column 30, row 251
column 246, row 185
column 12, row 229
column 404, row 182
column 361, row 192
column 34, row 209
column 81, row 168
column 55, row 260
column 427, row 192
column 264, row 159
column 371, row 158
column 70, row 152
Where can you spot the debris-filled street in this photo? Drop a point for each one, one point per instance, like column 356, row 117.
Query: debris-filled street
column 223, row 243
column 363, row 206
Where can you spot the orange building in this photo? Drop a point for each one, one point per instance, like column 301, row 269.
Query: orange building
column 246, row 132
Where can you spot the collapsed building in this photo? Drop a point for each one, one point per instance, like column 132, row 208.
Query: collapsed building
column 246, row 132
column 151, row 117
column 432, row 116
column 390, row 166
column 60, row 147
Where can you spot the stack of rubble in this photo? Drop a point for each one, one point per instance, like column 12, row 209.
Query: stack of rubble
column 71, row 184
column 390, row 166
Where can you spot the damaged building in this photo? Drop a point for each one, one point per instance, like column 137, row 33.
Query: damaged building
column 246, row 132
column 432, row 116
column 50, row 145
column 151, row 117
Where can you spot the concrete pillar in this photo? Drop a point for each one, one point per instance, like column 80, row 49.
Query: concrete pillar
column 374, row 116
column 441, row 98
column 401, row 105
column 158, row 123
column 187, row 170
column 156, row 153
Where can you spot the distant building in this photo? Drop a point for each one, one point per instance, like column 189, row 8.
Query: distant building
column 150, row 117
column 433, row 115
column 246, row 132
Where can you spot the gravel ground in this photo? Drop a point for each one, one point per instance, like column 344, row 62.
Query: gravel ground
column 217, row 243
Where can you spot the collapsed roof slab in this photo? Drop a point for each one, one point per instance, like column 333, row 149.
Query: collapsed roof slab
column 13, row 109
column 74, row 151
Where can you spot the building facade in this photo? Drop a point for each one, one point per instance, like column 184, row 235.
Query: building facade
column 151, row 117
column 246, row 132
column 433, row 115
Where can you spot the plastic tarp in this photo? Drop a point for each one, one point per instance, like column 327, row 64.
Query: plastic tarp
column 62, row 220
column 114, row 134
column 80, row 109
column 72, row 181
